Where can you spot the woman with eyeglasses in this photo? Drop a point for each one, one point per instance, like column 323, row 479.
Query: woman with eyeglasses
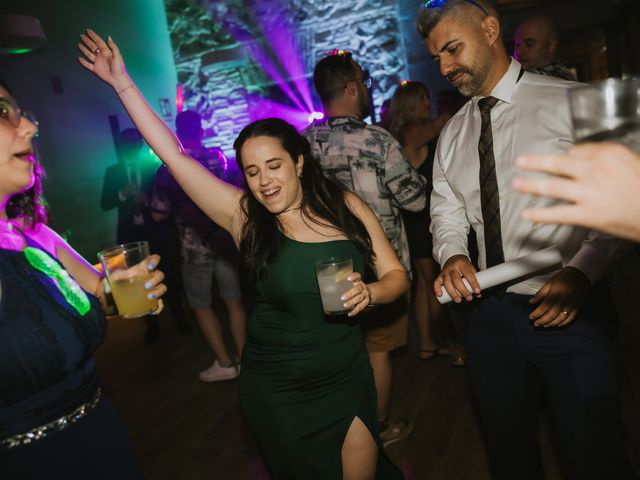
column 54, row 421
column 306, row 385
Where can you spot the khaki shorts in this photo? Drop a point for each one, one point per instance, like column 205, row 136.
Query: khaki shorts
column 386, row 326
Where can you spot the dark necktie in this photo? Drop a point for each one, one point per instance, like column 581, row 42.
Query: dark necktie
column 489, row 192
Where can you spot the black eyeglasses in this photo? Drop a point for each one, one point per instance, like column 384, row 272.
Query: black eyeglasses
column 441, row 3
column 10, row 111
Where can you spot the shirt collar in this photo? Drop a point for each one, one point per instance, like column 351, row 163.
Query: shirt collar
column 331, row 121
column 503, row 91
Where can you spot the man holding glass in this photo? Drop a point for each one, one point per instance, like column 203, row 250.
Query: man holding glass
column 553, row 334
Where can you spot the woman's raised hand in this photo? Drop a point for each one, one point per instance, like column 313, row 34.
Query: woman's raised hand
column 103, row 59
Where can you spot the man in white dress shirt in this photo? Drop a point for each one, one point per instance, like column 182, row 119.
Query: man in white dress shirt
column 552, row 334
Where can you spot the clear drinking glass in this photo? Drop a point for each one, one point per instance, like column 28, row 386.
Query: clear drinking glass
column 607, row 111
column 332, row 276
column 127, row 272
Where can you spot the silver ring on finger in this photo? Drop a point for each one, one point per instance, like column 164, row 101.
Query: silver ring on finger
column 565, row 312
column 97, row 51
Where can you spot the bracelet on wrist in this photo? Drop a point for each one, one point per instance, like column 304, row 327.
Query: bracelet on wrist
column 125, row 89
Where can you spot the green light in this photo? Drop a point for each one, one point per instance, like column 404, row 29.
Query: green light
column 19, row 51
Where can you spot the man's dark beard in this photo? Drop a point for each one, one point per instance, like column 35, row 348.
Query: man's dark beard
column 457, row 71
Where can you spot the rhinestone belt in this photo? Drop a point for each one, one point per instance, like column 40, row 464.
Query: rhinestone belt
column 54, row 426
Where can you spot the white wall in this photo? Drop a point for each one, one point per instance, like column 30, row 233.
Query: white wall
column 75, row 136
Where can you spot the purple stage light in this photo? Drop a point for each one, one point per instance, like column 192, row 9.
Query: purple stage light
column 313, row 116
column 270, row 69
column 281, row 38
column 262, row 108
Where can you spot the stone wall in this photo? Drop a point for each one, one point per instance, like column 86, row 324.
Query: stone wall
column 215, row 45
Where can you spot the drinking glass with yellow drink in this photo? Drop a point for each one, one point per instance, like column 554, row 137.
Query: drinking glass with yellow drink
column 127, row 272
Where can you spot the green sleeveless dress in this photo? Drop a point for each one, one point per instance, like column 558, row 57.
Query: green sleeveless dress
column 305, row 376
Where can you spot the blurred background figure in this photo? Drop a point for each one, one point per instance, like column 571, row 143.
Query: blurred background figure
column 385, row 119
column 535, row 46
column 126, row 187
column 411, row 124
column 206, row 250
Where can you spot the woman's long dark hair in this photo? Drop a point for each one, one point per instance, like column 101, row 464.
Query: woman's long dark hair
column 30, row 204
column 321, row 197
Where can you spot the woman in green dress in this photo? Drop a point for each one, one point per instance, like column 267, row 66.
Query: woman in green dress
column 306, row 387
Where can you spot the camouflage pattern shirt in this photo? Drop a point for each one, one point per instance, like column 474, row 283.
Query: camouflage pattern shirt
column 370, row 162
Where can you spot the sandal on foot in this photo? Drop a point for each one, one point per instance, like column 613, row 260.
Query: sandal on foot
column 431, row 354
column 395, row 430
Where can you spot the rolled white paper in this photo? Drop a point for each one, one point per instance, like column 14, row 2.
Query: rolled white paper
column 507, row 271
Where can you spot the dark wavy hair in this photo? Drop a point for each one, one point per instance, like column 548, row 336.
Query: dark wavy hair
column 30, row 205
column 321, row 196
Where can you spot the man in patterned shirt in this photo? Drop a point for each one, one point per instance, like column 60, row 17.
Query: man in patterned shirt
column 368, row 161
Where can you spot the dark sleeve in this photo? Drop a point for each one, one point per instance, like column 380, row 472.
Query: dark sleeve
column 161, row 189
column 110, row 188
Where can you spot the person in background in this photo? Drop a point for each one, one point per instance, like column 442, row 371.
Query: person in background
column 368, row 161
column 126, row 187
column 54, row 420
column 411, row 124
column 385, row 119
column 535, row 46
column 306, row 386
column 206, row 250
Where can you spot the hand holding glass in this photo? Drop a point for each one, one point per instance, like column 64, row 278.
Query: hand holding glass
column 332, row 276
column 128, row 272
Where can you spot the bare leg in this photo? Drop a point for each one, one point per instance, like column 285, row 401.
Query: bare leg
column 438, row 315
column 382, row 376
column 359, row 453
column 237, row 323
column 210, row 327
column 422, row 308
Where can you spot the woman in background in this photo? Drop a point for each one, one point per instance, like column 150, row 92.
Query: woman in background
column 411, row 124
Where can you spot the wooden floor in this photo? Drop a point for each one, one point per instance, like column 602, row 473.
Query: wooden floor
column 185, row 429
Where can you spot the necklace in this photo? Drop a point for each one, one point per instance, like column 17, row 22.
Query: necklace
column 68, row 287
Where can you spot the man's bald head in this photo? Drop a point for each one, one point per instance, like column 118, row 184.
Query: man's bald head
column 536, row 42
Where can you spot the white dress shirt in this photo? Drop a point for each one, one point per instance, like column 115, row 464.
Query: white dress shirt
column 532, row 116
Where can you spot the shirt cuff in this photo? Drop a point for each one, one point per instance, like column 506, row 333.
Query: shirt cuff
column 451, row 251
column 591, row 262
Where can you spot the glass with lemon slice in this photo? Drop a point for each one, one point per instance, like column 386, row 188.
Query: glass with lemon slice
column 332, row 276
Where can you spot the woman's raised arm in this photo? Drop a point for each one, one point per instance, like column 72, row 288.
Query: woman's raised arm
column 220, row 201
